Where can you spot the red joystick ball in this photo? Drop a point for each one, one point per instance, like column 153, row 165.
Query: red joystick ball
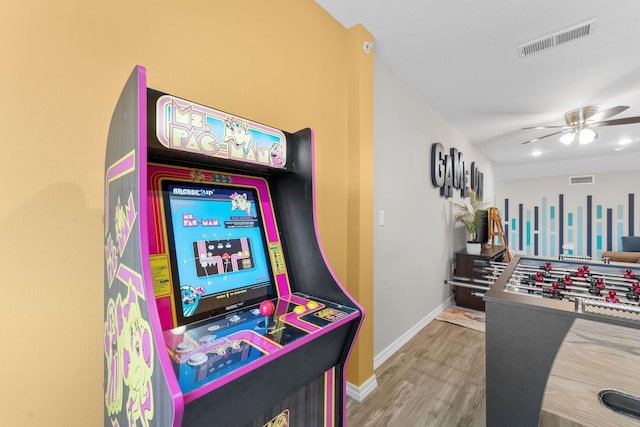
column 267, row 308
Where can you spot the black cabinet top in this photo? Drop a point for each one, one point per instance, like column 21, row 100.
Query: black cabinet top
column 488, row 251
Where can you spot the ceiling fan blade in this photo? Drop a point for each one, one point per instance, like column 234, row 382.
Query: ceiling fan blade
column 546, row 136
column 624, row 121
column 548, row 127
column 605, row 114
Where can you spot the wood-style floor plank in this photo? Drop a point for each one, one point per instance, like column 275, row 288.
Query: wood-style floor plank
column 436, row 379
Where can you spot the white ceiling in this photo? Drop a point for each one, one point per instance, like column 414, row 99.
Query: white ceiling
column 461, row 56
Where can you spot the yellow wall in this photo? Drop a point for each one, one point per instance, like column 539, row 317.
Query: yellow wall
column 285, row 63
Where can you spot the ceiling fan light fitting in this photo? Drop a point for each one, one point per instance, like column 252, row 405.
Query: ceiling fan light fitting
column 567, row 138
column 587, row 136
column 580, row 122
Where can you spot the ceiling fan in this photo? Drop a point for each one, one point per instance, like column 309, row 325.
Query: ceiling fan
column 580, row 122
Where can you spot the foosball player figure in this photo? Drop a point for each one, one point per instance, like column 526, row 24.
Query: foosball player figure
column 539, row 278
column 567, row 280
column 628, row 274
column 529, row 281
column 612, row 297
column 547, row 269
column 634, row 292
column 596, row 287
column 583, row 273
column 554, row 291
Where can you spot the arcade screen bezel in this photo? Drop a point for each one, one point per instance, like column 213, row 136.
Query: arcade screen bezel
column 238, row 297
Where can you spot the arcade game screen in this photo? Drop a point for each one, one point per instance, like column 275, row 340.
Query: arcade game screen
column 219, row 257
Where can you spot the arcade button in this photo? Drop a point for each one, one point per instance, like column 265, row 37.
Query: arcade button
column 179, row 330
column 184, row 347
column 197, row 359
column 312, row 304
column 299, row 309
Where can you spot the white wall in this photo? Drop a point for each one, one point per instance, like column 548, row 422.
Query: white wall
column 414, row 248
column 591, row 165
column 610, row 192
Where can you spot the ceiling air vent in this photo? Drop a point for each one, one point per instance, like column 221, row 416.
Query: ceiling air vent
column 585, row 179
column 557, row 39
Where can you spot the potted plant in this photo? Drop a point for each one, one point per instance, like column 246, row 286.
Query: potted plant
column 467, row 214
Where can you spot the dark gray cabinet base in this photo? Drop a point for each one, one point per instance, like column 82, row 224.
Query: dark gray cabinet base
column 469, row 269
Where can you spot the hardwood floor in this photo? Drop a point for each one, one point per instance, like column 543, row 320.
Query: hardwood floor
column 436, row 379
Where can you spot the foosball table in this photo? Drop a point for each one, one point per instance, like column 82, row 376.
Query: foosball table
column 596, row 285
column 533, row 307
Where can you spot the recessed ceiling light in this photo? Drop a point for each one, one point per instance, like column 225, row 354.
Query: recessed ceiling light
column 536, row 153
column 624, row 141
column 618, row 149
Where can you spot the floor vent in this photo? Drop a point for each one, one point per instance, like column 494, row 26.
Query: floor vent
column 586, row 179
column 557, row 39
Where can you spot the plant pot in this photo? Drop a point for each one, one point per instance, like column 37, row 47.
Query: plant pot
column 474, row 248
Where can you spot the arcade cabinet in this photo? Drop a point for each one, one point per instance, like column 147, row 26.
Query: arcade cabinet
column 220, row 307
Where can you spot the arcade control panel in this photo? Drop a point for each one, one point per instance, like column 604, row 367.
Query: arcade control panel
column 210, row 349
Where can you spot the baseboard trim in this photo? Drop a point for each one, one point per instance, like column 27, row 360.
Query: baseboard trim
column 404, row 338
column 360, row 393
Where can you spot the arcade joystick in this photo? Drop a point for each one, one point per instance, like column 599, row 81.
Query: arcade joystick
column 266, row 309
